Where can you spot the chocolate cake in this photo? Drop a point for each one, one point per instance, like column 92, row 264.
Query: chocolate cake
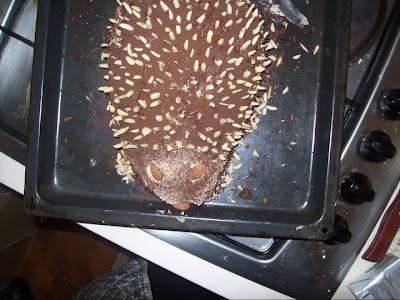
column 185, row 86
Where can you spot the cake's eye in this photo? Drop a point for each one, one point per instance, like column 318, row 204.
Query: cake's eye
column 155, row 173
column 197, row 171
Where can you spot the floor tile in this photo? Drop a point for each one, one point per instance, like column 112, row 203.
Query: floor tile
column 11, row 259
column 42, row 236
column 80, row 256
column 62, row 290
column 15, row 223
column 38, row 269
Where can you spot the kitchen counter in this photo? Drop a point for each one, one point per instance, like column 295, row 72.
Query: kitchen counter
column 207, row 275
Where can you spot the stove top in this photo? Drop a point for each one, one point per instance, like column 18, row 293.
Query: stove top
column 369, row 164
column 367, row 20
column 18, row 18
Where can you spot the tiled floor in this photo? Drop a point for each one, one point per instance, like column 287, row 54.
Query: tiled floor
column 63, row 257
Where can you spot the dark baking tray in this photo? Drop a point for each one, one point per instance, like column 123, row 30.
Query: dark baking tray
column 70, row 171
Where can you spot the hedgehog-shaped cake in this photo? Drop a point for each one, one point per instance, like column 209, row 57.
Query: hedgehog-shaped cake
column 185, row 87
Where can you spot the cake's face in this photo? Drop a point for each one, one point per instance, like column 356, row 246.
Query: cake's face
column 184, row 81
column 179, row 177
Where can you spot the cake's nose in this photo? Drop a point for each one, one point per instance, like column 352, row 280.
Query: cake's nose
column 182, row 206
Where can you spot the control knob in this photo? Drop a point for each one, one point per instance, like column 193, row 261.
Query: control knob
column 389, row 105
column 356, row 188
column 376, row 146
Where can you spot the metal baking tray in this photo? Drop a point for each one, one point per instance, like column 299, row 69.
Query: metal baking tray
column 290, row 188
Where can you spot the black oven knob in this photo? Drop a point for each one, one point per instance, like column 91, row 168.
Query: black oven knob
column 356, row 189
column 341, row 233
column 376, row 146
column 389, row 106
